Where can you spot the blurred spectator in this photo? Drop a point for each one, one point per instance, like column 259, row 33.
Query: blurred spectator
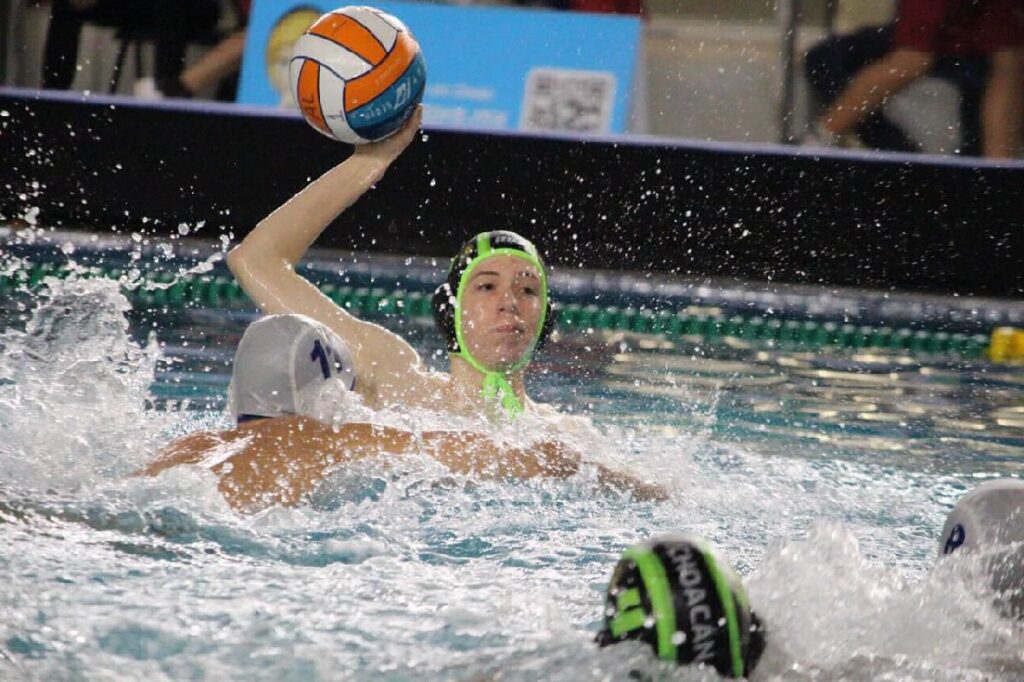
column 550, row 4
column 219, row 66
column 978, row 44
column 171, row 24
column 608, row 6
column 832, row 64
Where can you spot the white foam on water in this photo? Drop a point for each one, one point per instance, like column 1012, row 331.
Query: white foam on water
column 833, row 613
column 74, row 387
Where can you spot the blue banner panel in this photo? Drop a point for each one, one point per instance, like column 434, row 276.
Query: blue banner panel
column 487, row 67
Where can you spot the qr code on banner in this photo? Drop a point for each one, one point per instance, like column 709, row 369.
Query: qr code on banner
column 577, row 101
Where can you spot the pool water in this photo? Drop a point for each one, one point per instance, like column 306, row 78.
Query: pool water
column 824, row 477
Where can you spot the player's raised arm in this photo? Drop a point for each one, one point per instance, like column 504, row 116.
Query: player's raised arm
column 264, row 263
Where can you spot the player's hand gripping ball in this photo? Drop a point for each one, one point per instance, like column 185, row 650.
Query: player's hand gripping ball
column 357, row 74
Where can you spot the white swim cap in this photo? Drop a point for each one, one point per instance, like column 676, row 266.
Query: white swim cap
column 990, row 520
column 282, row 366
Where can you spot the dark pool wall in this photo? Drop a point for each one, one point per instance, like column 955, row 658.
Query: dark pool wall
column 777, row 214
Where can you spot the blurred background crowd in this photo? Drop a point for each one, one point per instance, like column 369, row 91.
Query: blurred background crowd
column 937, row 76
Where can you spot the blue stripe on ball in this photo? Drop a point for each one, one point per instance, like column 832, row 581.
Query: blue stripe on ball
column 389, row 110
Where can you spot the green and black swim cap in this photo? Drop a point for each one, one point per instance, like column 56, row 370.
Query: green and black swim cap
column 447, row 306
column 675, row 594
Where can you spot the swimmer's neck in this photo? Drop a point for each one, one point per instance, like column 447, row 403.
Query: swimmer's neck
column 470, row 381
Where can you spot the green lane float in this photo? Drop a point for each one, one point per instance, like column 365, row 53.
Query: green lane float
column 165, row 289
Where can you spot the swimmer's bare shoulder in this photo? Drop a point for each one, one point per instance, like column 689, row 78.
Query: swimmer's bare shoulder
column 281, row 460
column 190, row 449
column 278, row 460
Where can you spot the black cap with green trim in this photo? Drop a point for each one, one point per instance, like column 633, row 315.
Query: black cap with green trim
column 690, row 607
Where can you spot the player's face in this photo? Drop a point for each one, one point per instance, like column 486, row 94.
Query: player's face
column 502, row 305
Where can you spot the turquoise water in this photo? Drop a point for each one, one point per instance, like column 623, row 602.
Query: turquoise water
column 823, row 476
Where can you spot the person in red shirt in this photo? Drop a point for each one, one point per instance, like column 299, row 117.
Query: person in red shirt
column 608, row 6
column 923, row 32
column 598, row 6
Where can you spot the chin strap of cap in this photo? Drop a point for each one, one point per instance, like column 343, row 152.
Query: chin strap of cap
column 496, row 388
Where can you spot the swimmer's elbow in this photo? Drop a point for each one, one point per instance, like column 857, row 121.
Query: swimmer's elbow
column 243, row 260
column 261, row 275
column 235, row 258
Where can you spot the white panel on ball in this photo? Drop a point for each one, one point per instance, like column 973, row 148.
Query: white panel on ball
column 384, row 31
column 345, row 63
column 390, row 19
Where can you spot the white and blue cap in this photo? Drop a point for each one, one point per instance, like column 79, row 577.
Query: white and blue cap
column 284, row 364
column 989, row 520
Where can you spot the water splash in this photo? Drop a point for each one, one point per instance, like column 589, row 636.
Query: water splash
column 74, row 387
column 832, row 613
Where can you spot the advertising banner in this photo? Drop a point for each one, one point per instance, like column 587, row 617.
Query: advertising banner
column 487, row 67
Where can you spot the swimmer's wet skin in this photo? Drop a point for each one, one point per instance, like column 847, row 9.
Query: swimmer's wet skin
column 281, row 460
column 289, row 373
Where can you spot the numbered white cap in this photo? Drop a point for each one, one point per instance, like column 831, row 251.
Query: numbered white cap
column 991, row 514
column 282, row 366
column 989, row 520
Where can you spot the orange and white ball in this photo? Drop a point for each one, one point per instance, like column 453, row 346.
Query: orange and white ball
column 357, row 74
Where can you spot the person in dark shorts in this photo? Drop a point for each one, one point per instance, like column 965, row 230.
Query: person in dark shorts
column 171, row 24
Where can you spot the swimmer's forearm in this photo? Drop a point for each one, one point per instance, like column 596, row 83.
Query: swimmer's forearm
column 475, row 454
